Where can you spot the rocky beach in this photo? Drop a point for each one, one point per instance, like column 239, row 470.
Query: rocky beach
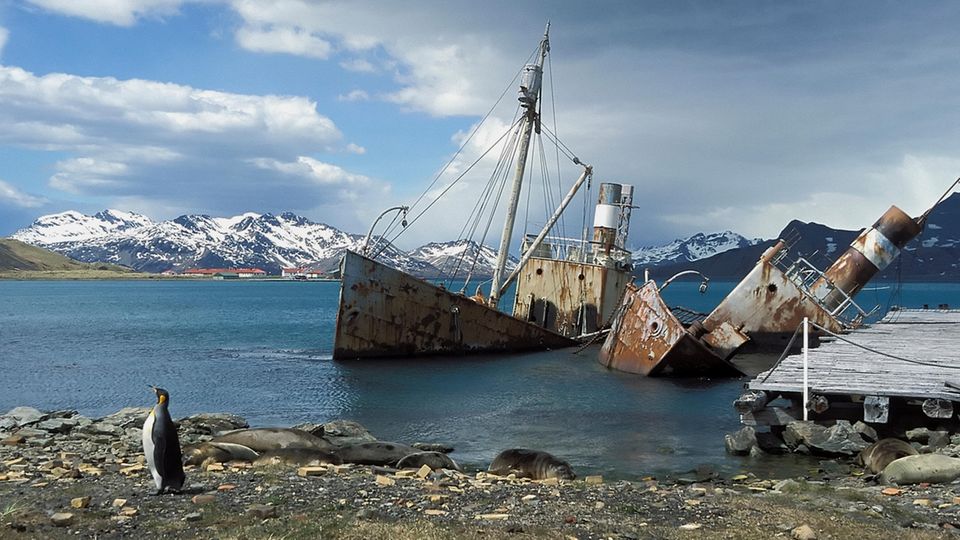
column 65, row 475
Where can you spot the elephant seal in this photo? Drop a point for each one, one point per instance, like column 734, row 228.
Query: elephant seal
column 932, row 468
column 878, row 455
column 221, row 452
column 374, row 453
column 297, row 457
column 533, row 464
column 434, row 460
column 266, row 439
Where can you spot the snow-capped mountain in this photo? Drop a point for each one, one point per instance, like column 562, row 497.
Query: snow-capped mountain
column 458, row 257
column 73, row 226
column 266, row 241
column 693, row 248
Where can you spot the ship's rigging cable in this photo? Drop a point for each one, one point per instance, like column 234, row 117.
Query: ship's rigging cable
column 448, row 187
column 476, row 129
column 553, row 109
column 498, row 179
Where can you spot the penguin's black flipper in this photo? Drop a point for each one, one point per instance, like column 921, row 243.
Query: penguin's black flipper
column 158, row 435
column 173, row 474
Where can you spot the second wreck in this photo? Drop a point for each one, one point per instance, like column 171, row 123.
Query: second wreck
column 762, row 311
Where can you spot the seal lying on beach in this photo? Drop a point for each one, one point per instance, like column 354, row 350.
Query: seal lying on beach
column 533, row 464
column 265, row 439
column 434, row 460
column 297, row 457
column 374, row 453
column 878, row 455
column 932, row 468
column 221, row 452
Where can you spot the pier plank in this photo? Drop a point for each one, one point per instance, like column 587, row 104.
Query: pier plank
column 914, row 354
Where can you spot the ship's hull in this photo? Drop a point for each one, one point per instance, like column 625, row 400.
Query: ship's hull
column 646, row 338
column 384, row 313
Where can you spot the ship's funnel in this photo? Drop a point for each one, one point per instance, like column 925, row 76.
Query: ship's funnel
column 870, row 253
column 606, row 218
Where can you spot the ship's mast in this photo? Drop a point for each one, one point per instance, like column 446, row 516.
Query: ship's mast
column 529, row 95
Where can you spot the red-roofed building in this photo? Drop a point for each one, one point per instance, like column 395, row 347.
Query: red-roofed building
column 226, row 273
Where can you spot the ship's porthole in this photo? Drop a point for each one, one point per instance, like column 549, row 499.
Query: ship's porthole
column 581, row 277
column 539, row 271
column 772, row 288
column 654, row 326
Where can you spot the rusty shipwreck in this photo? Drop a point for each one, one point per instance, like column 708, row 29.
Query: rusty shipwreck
column 762, row 311
column 565, row 287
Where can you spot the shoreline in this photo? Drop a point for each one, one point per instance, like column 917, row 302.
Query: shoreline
column 67, row 475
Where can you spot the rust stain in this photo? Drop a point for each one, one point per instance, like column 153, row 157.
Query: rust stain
column 422, row 320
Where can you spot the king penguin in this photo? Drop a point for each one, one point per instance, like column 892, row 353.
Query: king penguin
column 161, row 446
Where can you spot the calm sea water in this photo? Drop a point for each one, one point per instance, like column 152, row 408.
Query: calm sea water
column 263, row 350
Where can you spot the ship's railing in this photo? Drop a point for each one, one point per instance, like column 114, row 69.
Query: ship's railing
column 804, row 274
column 559, row 248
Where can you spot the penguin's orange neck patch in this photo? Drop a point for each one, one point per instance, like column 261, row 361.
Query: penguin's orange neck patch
column 161, row 399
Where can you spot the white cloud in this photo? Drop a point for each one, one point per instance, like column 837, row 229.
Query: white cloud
column 443, row 66
column 4, row 35
column 354, row 95
column 283, row 39
column 356, row 149
column 313, row 170
column 10, row 194
column 359, row 65
column 177, row 146
column 85, row 109
column 116, row 12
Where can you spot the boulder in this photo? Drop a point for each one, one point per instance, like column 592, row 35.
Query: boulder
column 770, row 443
column 346, row 431
column 311, row 428
column 433, row 447
column 212, row 423
column 930, row 468
column 838, row 439
column 127, row 417
column 865, row 431
column 25, row 415
column 937, row 439
column 920, row 435
column 57, row 425
column 740, row 442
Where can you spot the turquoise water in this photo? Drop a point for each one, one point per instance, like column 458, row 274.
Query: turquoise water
column 263, row 350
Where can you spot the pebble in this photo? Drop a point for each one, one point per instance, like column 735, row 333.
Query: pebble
column 80, row 502
column 119, row 503
column 385, row 480
column 262, row 511
column 62, row 519
column 593, row 480
column 193, row 516
column 691, row 526
column 804, row 532
column 205, row 498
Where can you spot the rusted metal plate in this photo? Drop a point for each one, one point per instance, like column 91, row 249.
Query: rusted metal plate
column 567, row 297
column 646, row 338
column 869, row 253
column 765, row 304
column 386, row 313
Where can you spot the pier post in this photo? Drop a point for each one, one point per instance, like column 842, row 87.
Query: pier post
column 806, row 346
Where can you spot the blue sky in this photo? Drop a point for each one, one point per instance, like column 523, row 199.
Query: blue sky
column 723, row 115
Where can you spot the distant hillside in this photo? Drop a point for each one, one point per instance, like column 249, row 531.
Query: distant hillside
column 18, row 256
column 933, row 256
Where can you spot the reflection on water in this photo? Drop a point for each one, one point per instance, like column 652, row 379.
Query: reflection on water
column 262, row 350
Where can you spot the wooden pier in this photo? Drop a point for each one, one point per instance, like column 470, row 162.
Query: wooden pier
column 906, row 364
